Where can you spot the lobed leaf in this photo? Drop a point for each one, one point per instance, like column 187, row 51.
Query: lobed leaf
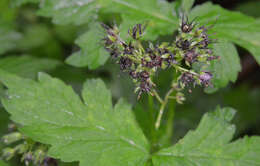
column 231, row 26
column 94, row 132
column 227, row 67
column 210, row 144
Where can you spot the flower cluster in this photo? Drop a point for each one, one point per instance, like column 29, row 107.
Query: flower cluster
column 141, row 63
column 30, row 151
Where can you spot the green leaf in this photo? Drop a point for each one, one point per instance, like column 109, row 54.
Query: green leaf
column 9, row 39
column 27, row 66
column 227, row 67
column 209, row 145
column 35, row 36
column 158, row 14
column 92, row 53
column 3, row 163
column 186, row 5
column 94, row 132
column 69, row 11
column 232, row 26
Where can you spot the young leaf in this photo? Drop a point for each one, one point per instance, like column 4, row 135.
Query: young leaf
column 27, row 66
column 92, row 53
column 231, row 26
column 94, row 132
column 209, row 145
column 227, row 67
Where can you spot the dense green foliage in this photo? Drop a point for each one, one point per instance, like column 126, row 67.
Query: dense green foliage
column 77, row 110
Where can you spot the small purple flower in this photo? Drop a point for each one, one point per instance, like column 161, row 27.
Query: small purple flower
column 205, row 78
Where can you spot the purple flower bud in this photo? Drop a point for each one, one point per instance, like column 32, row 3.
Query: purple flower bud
column 145, row 86
column 157, row 62
column 187, row 78
column 187, row 27
column 205, row 78
column 125, row 63
column 209, row 51
column 137, row 31
column 114, row 53
column 170, row 60
column 133, row 74
column 183, row 44
column 191, row 56
column 128, row 49
column 144, row 75
column 212, row 58
column 204, row 43
column 108, row 43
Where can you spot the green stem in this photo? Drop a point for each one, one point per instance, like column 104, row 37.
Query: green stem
column 169, row 125
column 186, row 70
column 162, row 108
column 157, row 96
